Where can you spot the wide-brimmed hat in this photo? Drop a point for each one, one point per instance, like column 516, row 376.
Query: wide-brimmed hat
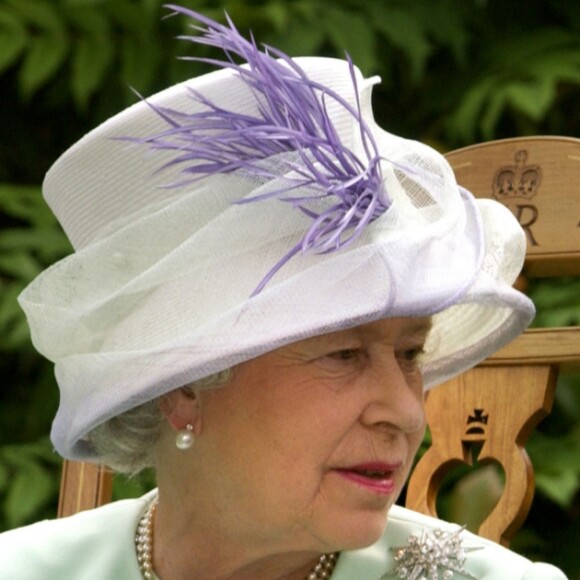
column 247, row 209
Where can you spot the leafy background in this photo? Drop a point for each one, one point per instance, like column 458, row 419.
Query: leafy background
column 454, row 72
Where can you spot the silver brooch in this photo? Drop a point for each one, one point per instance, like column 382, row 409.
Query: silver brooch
column 435, row 555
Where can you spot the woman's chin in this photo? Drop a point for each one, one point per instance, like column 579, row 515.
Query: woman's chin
column 358, row 532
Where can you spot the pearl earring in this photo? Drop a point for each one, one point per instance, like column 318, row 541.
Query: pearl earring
column 184, row 438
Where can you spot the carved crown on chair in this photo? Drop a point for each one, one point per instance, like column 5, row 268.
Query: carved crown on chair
column 517, row 181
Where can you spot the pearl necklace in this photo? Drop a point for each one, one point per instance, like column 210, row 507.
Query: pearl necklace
column 144, row 542
column 144, row 548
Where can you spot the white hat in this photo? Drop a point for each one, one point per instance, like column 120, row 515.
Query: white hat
column 249, row 208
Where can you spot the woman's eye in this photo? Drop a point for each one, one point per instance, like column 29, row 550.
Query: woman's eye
column 412, row 353
column 344, row 354
column 342, row 361
column 411, row 356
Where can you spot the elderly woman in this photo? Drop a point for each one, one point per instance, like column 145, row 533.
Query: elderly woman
column 264, row 284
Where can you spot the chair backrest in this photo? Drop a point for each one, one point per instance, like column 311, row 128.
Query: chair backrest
column 83, row 486
column 490, row 412
column 496, row 406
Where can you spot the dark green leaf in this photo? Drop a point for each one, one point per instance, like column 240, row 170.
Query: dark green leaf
column 31, row 487
column 139, row 61
column 41, row 13
column 520, row 49
column 44, row 56
column 463, row 123
column 19, row 265
column 25, row 203
column 491, row 113
column 9, row 309
column 17, row 337
column 560, row 63
column 350, row 31
column 86, row 18
column 47, row 44
column 91, row 59
column 134, row 18
column 561, row 487
column 13, row 38
column 308, row 38
column 533, row 98
column 4, row 476
column 49, row 244
column 445, row 22
column 406, row 33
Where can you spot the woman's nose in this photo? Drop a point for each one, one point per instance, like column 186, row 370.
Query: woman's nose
column 395, row 399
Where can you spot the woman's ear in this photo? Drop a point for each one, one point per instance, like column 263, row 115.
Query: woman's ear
column 181, row 408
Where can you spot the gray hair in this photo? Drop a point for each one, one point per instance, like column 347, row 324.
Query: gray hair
column 126, row 443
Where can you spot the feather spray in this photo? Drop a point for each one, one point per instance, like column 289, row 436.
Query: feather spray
column 292, row 118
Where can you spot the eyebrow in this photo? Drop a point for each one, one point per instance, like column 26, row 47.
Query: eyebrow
column 420, row 327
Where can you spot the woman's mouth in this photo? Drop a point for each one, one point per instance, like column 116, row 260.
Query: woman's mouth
column 376, row 477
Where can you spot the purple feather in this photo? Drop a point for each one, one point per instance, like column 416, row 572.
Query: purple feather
column 292, row 118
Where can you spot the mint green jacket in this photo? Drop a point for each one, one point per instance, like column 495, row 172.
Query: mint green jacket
column 99, row 545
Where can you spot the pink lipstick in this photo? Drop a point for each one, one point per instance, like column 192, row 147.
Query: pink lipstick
column 375, row 477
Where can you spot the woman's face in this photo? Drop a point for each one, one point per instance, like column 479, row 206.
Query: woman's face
column 311, row 444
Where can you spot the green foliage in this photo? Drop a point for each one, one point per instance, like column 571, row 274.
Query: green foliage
column 127, row 487
column 557, row 301
column 32, row 241
column 539, row 61
column 28, row 482
column 13, row 39
column 453, row 72
column 50, row 36
column 554, row 449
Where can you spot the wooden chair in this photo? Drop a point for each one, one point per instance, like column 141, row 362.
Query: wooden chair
column 83, row 486
column 496, row 406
